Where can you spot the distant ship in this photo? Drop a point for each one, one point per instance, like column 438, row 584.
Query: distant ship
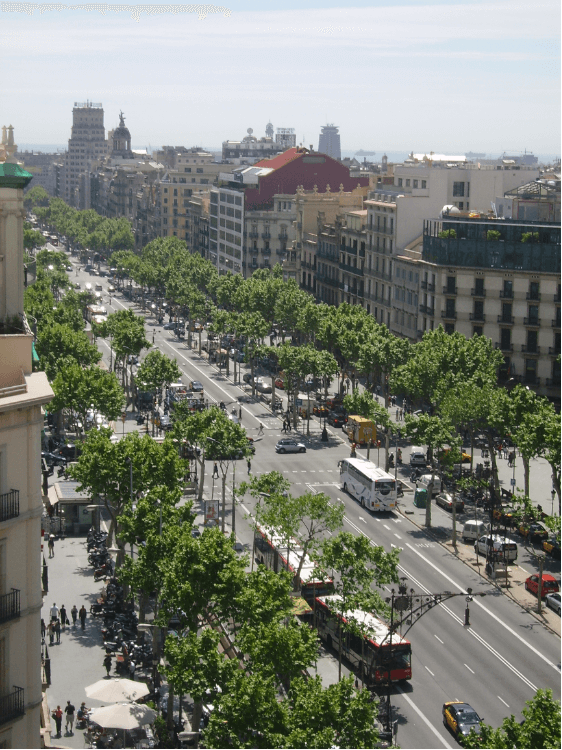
column 365, row 153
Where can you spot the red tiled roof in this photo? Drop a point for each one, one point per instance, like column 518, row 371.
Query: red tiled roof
column 281, row 159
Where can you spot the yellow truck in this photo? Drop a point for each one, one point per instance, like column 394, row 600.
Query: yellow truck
column 360, row 430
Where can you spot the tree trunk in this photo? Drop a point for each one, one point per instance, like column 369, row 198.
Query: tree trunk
column 527, row 470
column 197, row 714
column 201, row 462
column 170, row 707
column 223, row 483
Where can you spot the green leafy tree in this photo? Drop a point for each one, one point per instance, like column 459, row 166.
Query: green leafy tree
column 81, row 389
column 36, row 196
column 357, row 565
column 31, row 237
column 157, row 371
column 539, row 729
column 58, row 345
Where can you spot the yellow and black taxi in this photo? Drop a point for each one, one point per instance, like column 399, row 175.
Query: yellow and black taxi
column 460, row 718
column 552, row 547
column 536, row 532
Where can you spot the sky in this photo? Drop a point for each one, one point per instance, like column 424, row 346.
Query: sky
column 394, row 75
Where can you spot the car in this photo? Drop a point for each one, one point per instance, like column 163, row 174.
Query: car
column 444, row 500
column 553, row 601
column 461, row 718
column 263, row 386
column 247, row 378
column 280, row 382
column 170, row 326
column 51, row 459
column 99, row 287
column 549, row 584
column 533, row 531
column 111, row 288
column 77, row 285
column 165, row 422
column 321, row 410
column 499, row 547
column 505, row 514
column 287, row 445
column 465, row 457
column 133, row 359
column 196, row 386
column 337, row 419
column 552, row 547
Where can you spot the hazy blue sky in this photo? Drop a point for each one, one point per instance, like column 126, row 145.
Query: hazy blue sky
column 441, row 76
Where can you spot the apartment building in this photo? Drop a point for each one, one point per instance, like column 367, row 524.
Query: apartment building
column 22, row 395
column 491, row 277
column 329, row 141
column 42, row 167
column 268, row 234
column 251, row 149
column 87, row 144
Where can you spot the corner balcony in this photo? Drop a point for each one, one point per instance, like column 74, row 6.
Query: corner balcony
column 10, row 606
column 12, row 705
column 9, row 505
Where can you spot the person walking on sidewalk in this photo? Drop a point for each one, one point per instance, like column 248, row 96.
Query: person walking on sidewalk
column 69, row 711
column 215, row 471
column 82, row 615
column 57, row 716
column 51, row 545
column 74, row 613
column 260, row 431
column 249, row 467
column 132, row 667
column 54, row 612
column 107, row 663
column 51, row 631
column 43, row 630
column 63, row 617
column 57, row 630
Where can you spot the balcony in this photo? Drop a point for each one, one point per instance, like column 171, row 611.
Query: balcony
column 449, row 314
column 12, row 705
column 530, row 379
column 506, row 348
column 266, row 235
column 506, row 293
column 281, row 251
column 478, row 292
column 427, row 310
column 532, row 322
column 426, row 285
column 530, row 349
column 450, row 291
column 554, row 351
column 506, row 320
column 556, row 323
column 351, row 269
column 533, row 296
column 283, row 236
column 478, row 316
column 253, row 235
column 10, row 606
column 266, row 251
column 9, row 505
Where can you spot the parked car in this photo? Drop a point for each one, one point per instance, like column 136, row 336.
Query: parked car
column 505, row 515
column 552, row 547
column 500, row 547
column 196, row 386
column 549, row 585
column 98, row 287
column 287, row 445
column 553, row 601
column 263, row 386
column 444, row 500
column 536, row 532
column 460, row 718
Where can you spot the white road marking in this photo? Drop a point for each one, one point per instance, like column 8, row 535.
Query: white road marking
column 476, row 602
column 429, row 670
column 439, row 639
column 362, row 519
column 398, row 536
column 502, row 700
column 469, row 669
column 386, row 526
column 423, row 717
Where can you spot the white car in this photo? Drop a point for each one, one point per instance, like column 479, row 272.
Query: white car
column 553, row 601
column 288, row 445
column 263, row 386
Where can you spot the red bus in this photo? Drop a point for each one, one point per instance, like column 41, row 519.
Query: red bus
column 372, row 655
column 274, row 552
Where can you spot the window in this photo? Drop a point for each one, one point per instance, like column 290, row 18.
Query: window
column 477, row 331
column 507, row 288
column 187, row 169
column 533, row 315
column 424, row 184
column 416, row 182
column 479, row 287
column 408, row 183
column 458, row 189
column 449, row 328
column 531, row 371
column 199, row 170
column 507, row 308
column 534, row 290
column 532, row 342
column 451, row 285
column 505, row 339
column 450, row 308
column 400, row 181
column 478, row 309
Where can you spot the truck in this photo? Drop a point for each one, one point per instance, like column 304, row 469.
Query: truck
column 360, row 430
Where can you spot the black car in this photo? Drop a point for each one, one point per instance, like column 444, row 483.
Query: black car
column 337, row 419
column 52, row 459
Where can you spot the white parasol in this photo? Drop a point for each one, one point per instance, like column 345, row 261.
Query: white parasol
column 119, row 689
column 123, row 716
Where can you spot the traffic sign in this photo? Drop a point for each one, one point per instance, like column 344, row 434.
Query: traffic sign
column 512, row 482
column 123, row 416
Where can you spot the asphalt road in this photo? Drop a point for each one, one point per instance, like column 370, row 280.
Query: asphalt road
column 496, row 664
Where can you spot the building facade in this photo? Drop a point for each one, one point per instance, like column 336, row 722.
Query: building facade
column 22, row 395
column 329, row 141
column 86, row 144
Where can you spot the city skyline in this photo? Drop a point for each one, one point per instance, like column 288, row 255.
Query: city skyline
column 394, row 77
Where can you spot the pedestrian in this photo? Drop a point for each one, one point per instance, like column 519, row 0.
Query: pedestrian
column 397, row 414
column 399, row 433
column 51, row 545
column 249, row 466
column 284, row 428
column 401, row 414
column 63, row 617
column 51, row 631
column 132, row 667
column 74, row 613
column 57, row 716
column 43, row 630
column 57, row 630
column 260, row 431
column 54, row 612
column 69, row 711
column 82, row 616
column 240, row 413
column 107, row 663
column 215, row 471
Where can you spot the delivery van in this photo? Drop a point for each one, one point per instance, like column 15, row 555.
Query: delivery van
column 360, row 430
column 473, row 530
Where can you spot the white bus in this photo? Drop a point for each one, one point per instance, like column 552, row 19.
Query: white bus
column 371, row 486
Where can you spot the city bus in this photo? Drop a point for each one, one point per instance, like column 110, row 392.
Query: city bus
column 270, row 549
column 371, row 486
column 372, row 655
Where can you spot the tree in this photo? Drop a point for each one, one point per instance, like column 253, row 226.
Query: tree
column 357, row 565
column 36, row 196
column 81, row 389
column 31, row 237
column 157, row 371
column 539, row 729
column 380, row 354
column 58, row 345
column 104, row 470
column 364, row 404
